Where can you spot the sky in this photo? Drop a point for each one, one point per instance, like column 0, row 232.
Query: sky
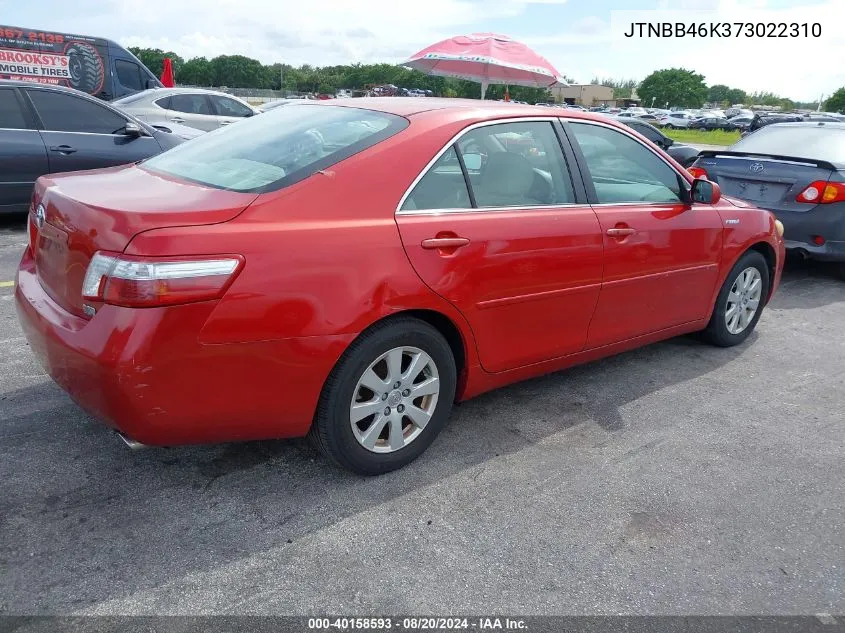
column 581, row 38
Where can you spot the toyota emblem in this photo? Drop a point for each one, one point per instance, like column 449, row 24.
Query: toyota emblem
column 40, row 216
column 756, row 167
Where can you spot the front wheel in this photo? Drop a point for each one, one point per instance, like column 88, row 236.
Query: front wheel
column 388, row 397
column 740, row 301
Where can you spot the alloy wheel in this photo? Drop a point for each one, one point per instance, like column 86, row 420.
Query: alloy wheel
column 743, row 300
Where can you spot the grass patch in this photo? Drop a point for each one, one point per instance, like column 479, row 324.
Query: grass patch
column 705, row 137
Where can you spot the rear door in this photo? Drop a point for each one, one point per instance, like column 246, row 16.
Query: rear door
column 193, row 110
column 23, row 157
column 518, row 252
column 661, row 254
column 81, row 133
column 229, row 110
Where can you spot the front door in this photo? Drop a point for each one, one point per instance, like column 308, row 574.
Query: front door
column 194, row 110
column 80, row 133
column 661, row 253
column 229, row 110
column 517, row 252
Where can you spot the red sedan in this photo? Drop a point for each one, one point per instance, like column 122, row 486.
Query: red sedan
column 350, row 270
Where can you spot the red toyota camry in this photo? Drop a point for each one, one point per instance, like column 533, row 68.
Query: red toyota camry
column 350, row 270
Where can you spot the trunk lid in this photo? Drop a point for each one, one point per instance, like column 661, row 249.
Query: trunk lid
column 767, row 181
column 85, row 212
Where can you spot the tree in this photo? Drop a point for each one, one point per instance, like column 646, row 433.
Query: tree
column 836, row 101
column 153, row 58
column 718, row 93
column 196, row 72
column 675, row 86
column 735, row 95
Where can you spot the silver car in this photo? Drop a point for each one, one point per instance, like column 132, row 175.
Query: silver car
column 202, row 109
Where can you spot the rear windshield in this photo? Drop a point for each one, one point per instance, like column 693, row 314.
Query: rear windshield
column 275, row 149
column 801, row 141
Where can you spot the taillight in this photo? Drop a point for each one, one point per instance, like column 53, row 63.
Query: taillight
column 698, row 172
column 821, row 192
column 142, row 282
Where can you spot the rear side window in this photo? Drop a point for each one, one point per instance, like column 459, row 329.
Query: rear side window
column 60, row 112
column 277, row 148
column 801, row 141
column 623, row 169
column 442, row 187
column 11, row 116
column 129, row 74
column 190, row 104
column 164, row 102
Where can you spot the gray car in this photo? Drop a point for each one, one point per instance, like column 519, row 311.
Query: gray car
column 48, row 129
column 205, row 110
column 797, row 171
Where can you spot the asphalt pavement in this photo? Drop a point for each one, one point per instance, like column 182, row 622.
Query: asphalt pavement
column 675, row 479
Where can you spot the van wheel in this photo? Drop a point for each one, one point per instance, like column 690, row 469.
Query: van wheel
column 86, row 67
column 387, row 398
column 740, row 301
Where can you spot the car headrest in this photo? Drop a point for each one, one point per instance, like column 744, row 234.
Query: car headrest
column 508, row 174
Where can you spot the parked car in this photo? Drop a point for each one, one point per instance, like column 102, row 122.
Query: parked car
column 195, row 107
column 797, row 171
column 684, row 154
column 712, row 123
column 45, row 129
column 275, row 285
column 94, row 65
column 742, row 121
column 676, row 120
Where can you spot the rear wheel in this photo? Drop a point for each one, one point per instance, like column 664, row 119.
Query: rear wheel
column 740, row 301
column 388, row 397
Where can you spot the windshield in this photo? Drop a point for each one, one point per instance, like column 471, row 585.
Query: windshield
column 802, row 141
column 275, row 149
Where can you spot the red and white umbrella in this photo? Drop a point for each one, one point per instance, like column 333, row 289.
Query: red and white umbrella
column 487, row 58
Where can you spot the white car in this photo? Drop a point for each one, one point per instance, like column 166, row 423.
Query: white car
column 677, row 119
column 205, row 110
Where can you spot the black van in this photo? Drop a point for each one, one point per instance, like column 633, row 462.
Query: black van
column 99, row 67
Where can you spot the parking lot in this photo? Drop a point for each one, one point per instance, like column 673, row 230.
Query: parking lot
column 678, row 478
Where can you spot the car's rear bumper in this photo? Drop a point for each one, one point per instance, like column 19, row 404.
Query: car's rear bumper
column 144, row 372
column 829, row 251
column 801, row 231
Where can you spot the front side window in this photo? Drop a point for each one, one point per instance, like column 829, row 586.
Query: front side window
column 60, row 112
column 278, row 148
column 190, row 104
column 129, row 74
column 442, row 187
column 11, row 116
column 623, row 169
column 230, row 107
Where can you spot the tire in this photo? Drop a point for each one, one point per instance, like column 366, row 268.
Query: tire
column 719, row 331
column 333, row 430
column 87, row 72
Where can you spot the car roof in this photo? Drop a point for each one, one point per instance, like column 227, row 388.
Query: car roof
column 172, row 91
column 836, row 125
column 487, row 109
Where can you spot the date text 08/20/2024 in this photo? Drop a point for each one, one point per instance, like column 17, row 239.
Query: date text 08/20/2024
column 416, row 624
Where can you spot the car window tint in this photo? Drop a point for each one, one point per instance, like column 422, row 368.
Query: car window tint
column 164, row 102
column 230, row 107
column 442, row 187
column 517, row 165
column 278, row 148
column 11, row 116
column 62, row 112
column 129, row 74
column 190, row 104
column 650, row 133
column 623, row 169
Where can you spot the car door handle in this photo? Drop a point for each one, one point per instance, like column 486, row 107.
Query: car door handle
column 444, row 242
column 178, row 119
column 620, row 231
column 63, row 149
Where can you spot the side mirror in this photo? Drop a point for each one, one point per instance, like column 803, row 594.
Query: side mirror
column 132, row 129
column 705, row 191
column 472, row 161
column 151, row 83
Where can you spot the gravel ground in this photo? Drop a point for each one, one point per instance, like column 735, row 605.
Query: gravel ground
column 676, row 479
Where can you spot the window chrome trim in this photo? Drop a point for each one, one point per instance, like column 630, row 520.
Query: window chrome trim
column 455, row 139
column 627, row 132
column 545, row 207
